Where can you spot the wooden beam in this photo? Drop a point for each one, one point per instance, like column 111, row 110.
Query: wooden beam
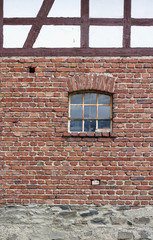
column 18, row 21
column 106, row 21
column 38, row 22
column 77, row 21
column 47, row 21
column 127, row 24
column 63, row 21
column 1, row 24
column 84, row 23
column 84, row 52
column 141, row 22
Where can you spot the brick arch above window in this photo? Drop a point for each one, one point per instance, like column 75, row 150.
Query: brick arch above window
column 96, row 82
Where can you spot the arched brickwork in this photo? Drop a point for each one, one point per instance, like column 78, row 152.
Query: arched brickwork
column 91, row 82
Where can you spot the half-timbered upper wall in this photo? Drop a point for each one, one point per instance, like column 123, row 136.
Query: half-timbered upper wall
column 76, row 27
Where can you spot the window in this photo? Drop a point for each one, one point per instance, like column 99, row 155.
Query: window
column 90, row 112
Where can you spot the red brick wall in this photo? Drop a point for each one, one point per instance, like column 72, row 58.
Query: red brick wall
column 42, row 163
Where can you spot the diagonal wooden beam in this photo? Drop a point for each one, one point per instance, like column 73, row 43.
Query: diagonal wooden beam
column 38, row 22
column 84, row 23
column 127, row 24
column 1, row 25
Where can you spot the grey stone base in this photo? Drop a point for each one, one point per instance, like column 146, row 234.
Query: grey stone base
column 62, row 222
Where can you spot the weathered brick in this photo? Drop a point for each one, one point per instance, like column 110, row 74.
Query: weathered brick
column 39, row 155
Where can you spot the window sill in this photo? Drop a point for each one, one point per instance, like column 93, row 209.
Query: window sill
column 90, row 134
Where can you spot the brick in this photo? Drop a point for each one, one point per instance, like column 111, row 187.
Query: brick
column 45, row 163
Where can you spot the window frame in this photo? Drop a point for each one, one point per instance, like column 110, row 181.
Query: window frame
column 85, row 104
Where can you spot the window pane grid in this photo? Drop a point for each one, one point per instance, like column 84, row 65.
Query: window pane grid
column 91, row 123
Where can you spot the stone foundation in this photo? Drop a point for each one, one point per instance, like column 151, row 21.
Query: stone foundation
column 65, row 222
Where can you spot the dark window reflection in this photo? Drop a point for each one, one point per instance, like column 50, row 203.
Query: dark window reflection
column 89, row 125
column 76, row 125
column 103, row 124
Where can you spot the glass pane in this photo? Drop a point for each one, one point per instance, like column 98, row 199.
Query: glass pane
column 99, row 36
column 76, row 99
column 76, row 111
column 58, row 36
column 141, row 36
column 104, row 112
column 22, row 8
column 103, row 99
column 103, row 124
column 90, row 112
column 89, row 125
column 142, row 9
column 76, row 125
column 15, row 36
column 90, row 98
column 106, row 8
column 65, row 8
